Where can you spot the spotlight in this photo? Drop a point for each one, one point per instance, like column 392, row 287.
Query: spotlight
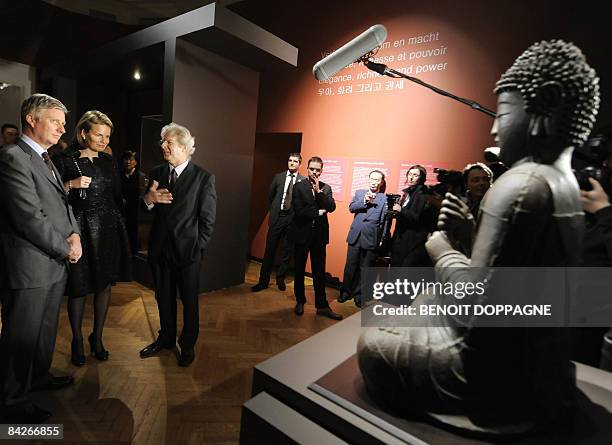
column 136, row 74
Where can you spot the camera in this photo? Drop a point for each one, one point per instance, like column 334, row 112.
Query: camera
column 384, row 248
column 448, row 181
column 393, row 199
column 600, row 174
column 589, row 161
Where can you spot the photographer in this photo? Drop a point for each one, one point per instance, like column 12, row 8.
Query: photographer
column 595, row 183
column 415, row 220
column 597, row 249
column 597, row 252
column 478, row 178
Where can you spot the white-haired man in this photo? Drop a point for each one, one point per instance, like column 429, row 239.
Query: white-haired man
column 38, row 236
column 183, row 199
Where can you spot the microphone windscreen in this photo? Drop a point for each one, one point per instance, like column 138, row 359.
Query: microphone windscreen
column 349, row 53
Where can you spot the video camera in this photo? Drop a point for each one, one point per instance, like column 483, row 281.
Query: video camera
column 392, row 199
column 447, row 180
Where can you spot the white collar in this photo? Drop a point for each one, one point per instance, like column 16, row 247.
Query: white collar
column 179, row 168
column 33, row 144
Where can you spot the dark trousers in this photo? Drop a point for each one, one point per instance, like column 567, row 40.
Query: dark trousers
column 277, row 233
column 168, row 279
column 356, row 258
column 317, row 262
column 27, row 341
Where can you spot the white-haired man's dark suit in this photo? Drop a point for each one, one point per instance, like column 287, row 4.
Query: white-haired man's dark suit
column 179, row 235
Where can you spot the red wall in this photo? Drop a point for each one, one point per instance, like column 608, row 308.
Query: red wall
column 413, row 123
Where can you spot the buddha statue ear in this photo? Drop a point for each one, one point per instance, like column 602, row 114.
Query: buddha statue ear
column 546, row 136
column 546, row 110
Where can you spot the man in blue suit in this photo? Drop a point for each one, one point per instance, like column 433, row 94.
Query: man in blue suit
column 369, row 207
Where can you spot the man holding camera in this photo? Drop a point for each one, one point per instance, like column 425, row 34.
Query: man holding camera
column 369, row 207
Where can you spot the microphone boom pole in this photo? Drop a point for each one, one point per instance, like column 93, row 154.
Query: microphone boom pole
column 384, row 70
column 366, row 45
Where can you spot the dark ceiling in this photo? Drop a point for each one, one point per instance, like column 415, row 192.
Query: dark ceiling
column 38, row 34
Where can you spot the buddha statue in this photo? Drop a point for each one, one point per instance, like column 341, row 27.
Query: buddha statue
column 501, row 380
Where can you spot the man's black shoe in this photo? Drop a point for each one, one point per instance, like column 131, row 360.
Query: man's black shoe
column 258, row 287
column 186, row 358
column 54, row 383
column 281, row 285
column 358, row 302
column 327, row 312
column 299, row 309
column 25, row 413
column 344, row 296
column 154, row 348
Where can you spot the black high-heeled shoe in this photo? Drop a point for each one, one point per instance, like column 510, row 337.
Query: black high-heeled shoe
column 101, row 354
column 77, row 353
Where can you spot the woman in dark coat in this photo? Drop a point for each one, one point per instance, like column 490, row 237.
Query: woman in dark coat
column 91, row 179
column 416, row 219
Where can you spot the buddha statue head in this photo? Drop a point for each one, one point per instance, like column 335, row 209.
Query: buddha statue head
column 547, row 101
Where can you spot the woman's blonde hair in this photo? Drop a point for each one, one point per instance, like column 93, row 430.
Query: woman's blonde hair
column 89, row 118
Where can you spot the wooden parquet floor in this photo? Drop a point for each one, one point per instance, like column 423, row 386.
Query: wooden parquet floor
column 154, row 401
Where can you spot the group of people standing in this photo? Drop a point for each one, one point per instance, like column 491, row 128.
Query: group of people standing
column 299, row 224
column 53, row 213
column 62, row 232
column 298, row 218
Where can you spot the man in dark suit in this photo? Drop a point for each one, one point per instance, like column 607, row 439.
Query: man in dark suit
column 312, row 201
column 183, row 199
column 369, row 207
column 38, row 234
column 416, row 218
column 281, row 214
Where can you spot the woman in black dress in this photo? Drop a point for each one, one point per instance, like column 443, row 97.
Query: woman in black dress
column 92, row 181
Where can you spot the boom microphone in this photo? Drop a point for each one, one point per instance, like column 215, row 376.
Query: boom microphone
column 349, row 53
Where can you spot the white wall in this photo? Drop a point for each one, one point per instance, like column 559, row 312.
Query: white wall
column 22, row 80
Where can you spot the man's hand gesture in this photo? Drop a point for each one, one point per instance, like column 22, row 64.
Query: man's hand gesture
column 315, row 185
column 157, row 196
